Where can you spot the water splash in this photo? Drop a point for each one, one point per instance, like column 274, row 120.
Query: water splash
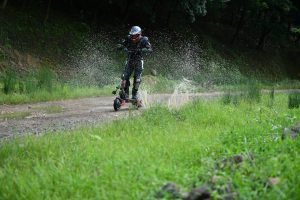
column 145, row 98
column 92, row 63
column 181, row 94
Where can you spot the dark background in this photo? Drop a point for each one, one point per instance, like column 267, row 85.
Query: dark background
column 258, row 25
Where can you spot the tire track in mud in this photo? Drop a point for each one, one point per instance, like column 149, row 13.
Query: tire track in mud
column 84, row 112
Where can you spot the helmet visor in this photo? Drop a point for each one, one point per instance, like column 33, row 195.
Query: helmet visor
column 134, row 37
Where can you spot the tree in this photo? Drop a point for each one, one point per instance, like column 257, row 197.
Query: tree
column 194, row 8
column 272, row 16
column 296, row 34
column 4, row 3
column 47, row 12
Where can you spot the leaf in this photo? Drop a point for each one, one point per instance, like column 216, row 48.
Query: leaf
column 96, row 137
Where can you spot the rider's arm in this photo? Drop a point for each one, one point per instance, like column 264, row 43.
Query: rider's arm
column 146, row 46
column 123, row 44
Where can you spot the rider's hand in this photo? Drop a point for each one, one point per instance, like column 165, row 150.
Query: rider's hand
column 144, row 50
column 119, row 46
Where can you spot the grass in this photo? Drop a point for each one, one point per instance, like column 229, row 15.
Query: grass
column 66, row 91
column 49, row 109
column 133, row 158
column 14, row 115
column 58, row 93
column 29, row 92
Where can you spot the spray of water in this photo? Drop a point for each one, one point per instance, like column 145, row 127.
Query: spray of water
column 93, row 64
column 177, row 58
column 181, row 94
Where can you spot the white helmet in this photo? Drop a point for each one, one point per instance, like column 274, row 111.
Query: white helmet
column 135, row 30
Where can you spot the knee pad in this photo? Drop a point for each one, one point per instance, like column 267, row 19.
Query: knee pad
column 123, row 83
column 137, row 83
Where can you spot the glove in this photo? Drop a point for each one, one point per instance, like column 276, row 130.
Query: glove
column 144, row 50
column 119, row 46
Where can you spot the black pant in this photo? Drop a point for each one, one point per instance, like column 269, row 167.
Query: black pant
column 137, row 67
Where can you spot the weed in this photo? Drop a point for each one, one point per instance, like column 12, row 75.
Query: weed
column 252, row 91
column 50, row 109
column 132, row 158
column 9, row 81
column 45, row 78
column 271, row 97
column 14, row 115
column 294, row 100
column 227, row 98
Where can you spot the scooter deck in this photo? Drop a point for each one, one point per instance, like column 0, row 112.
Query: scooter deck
column 136, row 102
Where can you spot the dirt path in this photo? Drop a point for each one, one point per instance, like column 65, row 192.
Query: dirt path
column 79, row 112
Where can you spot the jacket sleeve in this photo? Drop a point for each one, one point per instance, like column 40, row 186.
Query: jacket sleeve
column 146, row 44
column 123, row 44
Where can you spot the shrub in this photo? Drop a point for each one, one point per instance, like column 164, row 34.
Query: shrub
column 294, row 100
column 9, row 81
column 45, row 78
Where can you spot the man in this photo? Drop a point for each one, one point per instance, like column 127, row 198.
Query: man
column 136, row 46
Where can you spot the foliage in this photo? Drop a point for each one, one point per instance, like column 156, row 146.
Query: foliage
column 295, row 31
column 9, row 81
column 59, row 92
column 22, row 28
column 45, row 78
column 132, row 158
column 294, row 100
column 14, row 115
column 194, row 8
column 49, row 109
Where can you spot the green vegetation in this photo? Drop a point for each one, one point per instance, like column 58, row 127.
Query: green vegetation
column 14, row 115
column 49, row 109
column 294, row 100
column 133, row 158
column 24, row 31
column 42, row 85
column 58, row 93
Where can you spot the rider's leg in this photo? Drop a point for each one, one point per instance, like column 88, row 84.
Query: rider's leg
column 137, row 79
column 125, row 78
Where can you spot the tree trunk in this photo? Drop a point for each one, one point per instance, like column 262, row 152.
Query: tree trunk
column 170, row 12
column 239, row 26
column 153, row 17
column 262, row 39
column 232, row 17
column 24, row 4
column 4, row 4
column 125, row 13
column 297, row 40
column 48, row 11
column 95, row 18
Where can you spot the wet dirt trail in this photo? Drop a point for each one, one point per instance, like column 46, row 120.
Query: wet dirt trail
column 81, row 112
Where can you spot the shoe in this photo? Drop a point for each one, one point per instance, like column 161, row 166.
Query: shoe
column 135, row 97
column 134, row 94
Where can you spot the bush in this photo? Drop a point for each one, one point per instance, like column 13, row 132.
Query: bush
column 9, row 81
column 45, row 79
column 294, row 100
column 252, row 91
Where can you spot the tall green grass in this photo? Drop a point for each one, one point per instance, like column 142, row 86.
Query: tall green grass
column 9, row 81
column 294, row 100
column 42, row 85
column 132, row 158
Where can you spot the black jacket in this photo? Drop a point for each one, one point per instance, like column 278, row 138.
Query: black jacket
column 136, row 50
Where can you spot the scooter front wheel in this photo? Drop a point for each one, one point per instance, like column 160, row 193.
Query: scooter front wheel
column 117, row 104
